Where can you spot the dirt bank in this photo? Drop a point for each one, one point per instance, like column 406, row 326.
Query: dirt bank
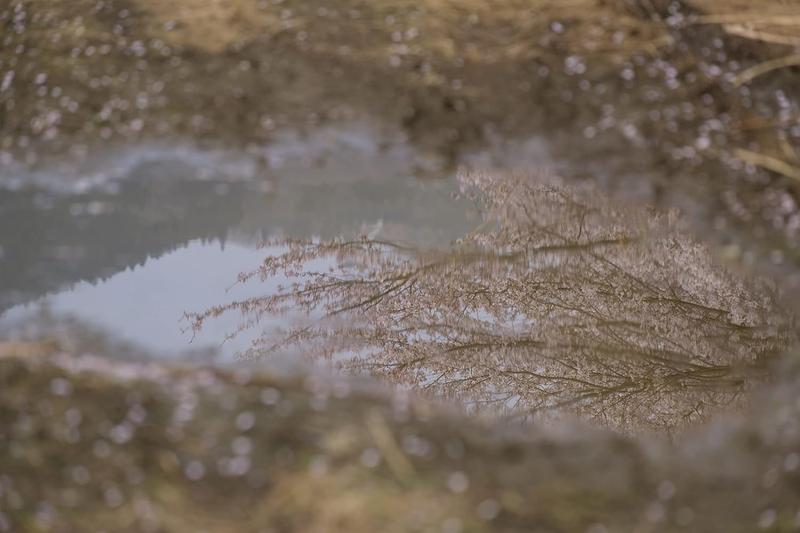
column 90, row 445
column 672, row 103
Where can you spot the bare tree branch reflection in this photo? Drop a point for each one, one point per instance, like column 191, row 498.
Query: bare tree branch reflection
column 558, row 302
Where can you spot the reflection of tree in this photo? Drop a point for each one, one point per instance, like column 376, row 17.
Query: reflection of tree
column 559, row 301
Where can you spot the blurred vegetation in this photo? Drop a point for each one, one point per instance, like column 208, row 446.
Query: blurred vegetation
column 135, row 447
column 697, row 99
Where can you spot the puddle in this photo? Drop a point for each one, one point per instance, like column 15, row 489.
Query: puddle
column 128, row 243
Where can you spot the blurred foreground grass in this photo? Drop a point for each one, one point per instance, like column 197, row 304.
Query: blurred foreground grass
column 91, row 445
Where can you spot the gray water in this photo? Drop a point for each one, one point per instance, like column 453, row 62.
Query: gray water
column 126, row 243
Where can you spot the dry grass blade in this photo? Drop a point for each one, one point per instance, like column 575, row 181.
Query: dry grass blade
column 769, row 162
column 748, row 32
column 751, row 73
column 750, row 18
column 399, row 464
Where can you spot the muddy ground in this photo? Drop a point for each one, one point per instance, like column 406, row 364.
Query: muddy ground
column 115, row 447
column 654, row 100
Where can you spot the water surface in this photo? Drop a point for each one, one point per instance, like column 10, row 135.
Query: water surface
column 131, row 241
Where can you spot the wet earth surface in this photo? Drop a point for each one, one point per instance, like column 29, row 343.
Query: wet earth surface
column 529, row 210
